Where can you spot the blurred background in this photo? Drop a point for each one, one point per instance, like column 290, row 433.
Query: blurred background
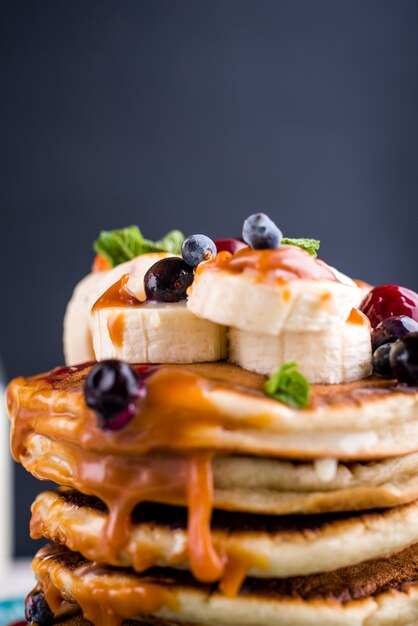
column 192, row 114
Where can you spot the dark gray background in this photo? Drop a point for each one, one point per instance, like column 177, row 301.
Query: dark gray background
column 192, row 114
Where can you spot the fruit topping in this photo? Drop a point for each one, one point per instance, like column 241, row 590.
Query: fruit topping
column 404, row 359
column 113, row 390
column 145, row 370
column 392, row 329
column 168, row 279
column 37, row 610
column 381, row 360
column 100, row 264
column 198, row 248
column 260, row 232
column 389, row 301
column 229, row 245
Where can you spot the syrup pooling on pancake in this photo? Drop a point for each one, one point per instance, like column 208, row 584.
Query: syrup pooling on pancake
column 101, row 600
column 221, row 407
column 281, row 265
column 122, row 482
column 353, row 595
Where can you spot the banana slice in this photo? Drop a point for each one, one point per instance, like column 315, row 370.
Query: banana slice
column 156, row 333
column 271, row 291
column 78, row 345
column 339, row 355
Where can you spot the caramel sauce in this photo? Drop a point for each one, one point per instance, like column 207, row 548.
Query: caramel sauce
column 116, row 328
column 159, row 456
column 117, row 295
column 71, row 531
column 175, row 414
column 101, row 597
column 357, row 317
column 239, row 563
column 362, row 284
column 52, row 595
column 281, row 264
column 203, row 558
column 95, row 594
column 122, row 482
column 123, row 468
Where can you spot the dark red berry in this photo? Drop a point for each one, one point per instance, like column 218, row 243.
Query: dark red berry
column 392, row 329
column 145, row 371
column 229, row 245
column 37, row 610
column 113, row 390
column 404, row 359
column 168, row 279
column 389, row 301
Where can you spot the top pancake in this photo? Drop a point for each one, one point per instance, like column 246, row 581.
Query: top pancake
column 222, row 407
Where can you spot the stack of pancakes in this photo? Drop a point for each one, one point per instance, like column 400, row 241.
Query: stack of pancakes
column 220, row 506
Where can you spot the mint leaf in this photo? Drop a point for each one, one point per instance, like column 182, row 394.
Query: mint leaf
column 288, row 385
column 310, row 245
column 118, row 246
column 172, row 242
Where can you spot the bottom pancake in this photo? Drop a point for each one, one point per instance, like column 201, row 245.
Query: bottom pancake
column 381, row 592
column 79, row 620
column 271, row 546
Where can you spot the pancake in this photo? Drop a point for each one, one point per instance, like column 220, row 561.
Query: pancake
column 79, row 620
column 222, row 407
column 375, row 593
column 271, row 547
column 248, row 484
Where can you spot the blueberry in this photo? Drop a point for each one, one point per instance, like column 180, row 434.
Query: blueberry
column 260, row 232
column 167, row 280
column 404, row 359
column 393, row 328
column 113, row 389
column 37, row 610
column 381, row 360
column 198, row 248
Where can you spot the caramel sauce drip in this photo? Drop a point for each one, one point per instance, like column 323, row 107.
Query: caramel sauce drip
column 133, row 465
column 116, row 328
column 96, row 596
column 102, row 600
column 175, row 414
column 52, row 595
column 281, row 264
column 124, row 482
column 204, row 560
column 117, row 295
column 239, row 563
column 357, row 317
column 71, row 531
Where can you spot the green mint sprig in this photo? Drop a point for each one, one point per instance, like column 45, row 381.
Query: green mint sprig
column 118, row 246
column 310, row 245
column 288, row 385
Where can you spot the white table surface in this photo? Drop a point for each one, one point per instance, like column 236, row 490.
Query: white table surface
column 16, row 580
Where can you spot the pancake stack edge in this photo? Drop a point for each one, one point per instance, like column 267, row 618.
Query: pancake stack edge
column 299, row 534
